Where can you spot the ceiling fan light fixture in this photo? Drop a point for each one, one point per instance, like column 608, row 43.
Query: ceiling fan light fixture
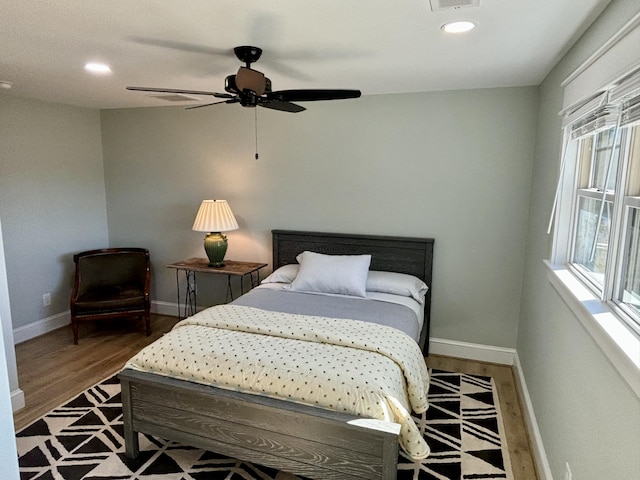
column 459, row 26
column 249, row 79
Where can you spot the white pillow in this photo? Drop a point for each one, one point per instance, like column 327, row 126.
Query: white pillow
column 377, row 281
column 284, row 274
column 397, row 284
column 339, row 274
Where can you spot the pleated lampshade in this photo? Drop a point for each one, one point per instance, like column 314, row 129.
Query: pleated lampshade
column 214, row 216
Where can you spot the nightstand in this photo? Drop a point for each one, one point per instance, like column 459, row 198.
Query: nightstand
column 231, row 268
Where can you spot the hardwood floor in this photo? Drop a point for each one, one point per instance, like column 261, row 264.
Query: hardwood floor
column 51, row 370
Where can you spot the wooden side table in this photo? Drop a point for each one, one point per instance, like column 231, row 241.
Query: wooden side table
column 231, row 268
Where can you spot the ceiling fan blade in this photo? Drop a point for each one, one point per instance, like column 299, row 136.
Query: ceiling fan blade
column 183, row 46
column 312, row 95
column 232, row 100
column 175, row 90
column 281, row 106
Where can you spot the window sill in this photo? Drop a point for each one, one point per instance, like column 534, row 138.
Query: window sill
column 619, row 343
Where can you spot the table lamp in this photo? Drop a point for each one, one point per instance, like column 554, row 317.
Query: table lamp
column 214, row 217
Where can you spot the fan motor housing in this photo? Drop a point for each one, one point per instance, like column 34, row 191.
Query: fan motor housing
column 249, row 98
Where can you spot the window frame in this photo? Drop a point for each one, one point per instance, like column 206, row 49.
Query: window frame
column 601, row 288
column 608, row 290
column 627, row 311
column 612, row 323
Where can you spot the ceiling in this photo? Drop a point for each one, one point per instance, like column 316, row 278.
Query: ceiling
column 377, row 46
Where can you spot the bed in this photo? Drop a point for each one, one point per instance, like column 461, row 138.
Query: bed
column 301, row 439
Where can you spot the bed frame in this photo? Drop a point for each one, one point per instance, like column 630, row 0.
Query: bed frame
column 307, row 441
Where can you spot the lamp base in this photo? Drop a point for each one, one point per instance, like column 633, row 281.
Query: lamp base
column 215, row 244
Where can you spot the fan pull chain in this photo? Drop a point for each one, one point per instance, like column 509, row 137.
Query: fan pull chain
column 255, row 110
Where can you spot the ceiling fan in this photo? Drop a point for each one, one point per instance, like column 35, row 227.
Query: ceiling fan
column 251, row 88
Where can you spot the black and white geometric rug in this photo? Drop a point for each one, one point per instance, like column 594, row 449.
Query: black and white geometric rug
column 82, row 439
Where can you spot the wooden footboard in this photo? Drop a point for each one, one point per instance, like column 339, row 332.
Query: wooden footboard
column 302, row 440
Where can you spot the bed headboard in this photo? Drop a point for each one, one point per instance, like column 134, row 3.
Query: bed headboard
column 409, row 255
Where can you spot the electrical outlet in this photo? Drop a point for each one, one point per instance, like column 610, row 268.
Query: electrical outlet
column 567, row 472
column 46, row 299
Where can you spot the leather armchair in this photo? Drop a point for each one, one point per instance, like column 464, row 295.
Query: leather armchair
column 111, row 283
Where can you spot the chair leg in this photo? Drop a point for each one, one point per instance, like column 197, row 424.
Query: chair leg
column 74, row 327
column 147, row 321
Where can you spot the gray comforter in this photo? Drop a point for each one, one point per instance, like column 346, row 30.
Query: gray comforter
column 375, row 311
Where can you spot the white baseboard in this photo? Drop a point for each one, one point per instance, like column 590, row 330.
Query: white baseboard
column 17, row 400
column 46, row 325
column 472, row 351
column 170, row 308
column 538, row 452
column 165, row 308
column 35, row 329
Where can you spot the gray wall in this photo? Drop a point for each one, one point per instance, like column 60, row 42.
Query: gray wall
column 587, row 414
column 455, row 166
column 52, row 200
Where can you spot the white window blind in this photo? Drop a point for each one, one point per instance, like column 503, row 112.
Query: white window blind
column 602, row 118
column 617, row 104
column 630, row 113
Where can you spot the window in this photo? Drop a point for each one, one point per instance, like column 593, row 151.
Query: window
column 595, row 255
column 597, row 160
column 600, row 186
column 627, row 292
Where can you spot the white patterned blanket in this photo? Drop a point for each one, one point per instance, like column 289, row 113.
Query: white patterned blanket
column 345, row 365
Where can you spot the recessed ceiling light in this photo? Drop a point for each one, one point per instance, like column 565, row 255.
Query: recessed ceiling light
column 97, row 67
column 458, row 26
column 5, row 85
